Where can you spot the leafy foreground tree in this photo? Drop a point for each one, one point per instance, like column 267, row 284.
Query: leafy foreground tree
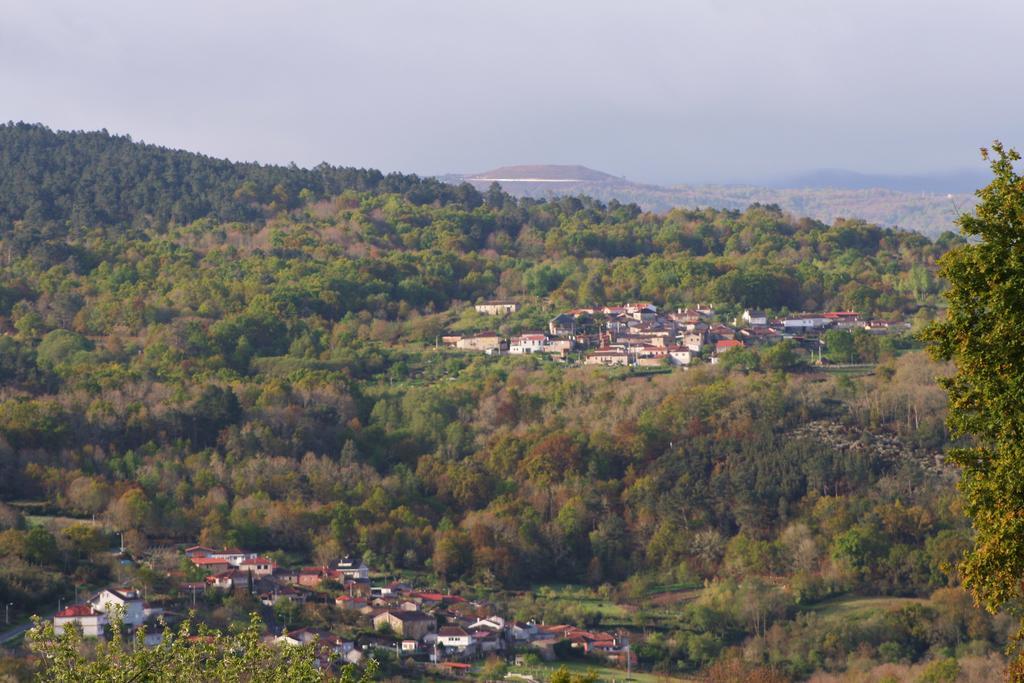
column 982, row 333
column 208, row 655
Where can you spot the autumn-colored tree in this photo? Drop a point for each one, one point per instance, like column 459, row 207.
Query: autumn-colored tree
column 981, row 334
column 453, row 554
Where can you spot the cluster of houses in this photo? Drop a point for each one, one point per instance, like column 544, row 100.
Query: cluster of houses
column 639, row 334
column 433, row 627
column 423, row 628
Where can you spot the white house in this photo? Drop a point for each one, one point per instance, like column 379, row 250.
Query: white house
column 228, row 580
column 754, row 317
column 234, row 556
column 811, row 322
column 559, row 346
column 92, row 622
column 680, row 356
column 641, row 310
column 325, row 639
column 532, row 342
column 128, row 600
column 490, row 624
column 455, row 637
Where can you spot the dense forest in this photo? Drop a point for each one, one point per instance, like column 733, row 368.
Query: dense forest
column 195, row 349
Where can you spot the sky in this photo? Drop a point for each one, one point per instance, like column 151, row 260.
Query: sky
column 656, row 91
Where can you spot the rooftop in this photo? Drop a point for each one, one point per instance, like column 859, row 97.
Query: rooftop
column 409, row 615
column 78, row 611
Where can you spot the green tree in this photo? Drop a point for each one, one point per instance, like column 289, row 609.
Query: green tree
column 781, row 356
column 59, row 347
column 940, row 671
column 981, row 333
column 40, row 546
column 839, row 345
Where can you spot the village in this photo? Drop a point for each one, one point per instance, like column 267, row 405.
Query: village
column 638, row 334
column 419, row 629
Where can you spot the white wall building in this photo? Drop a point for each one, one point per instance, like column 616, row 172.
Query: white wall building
column 680, row 357
column 128, row 600
column 528, row 343
column 92, row 623
column 455, row 637
column 754, row 317
column 806, row 323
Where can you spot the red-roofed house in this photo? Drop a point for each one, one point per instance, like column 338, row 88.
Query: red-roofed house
column 229, row 579
column 727, row 345
column 426, row 599
column 91, row 621
column 350, row 602
column 211, row 564
column 312, row 576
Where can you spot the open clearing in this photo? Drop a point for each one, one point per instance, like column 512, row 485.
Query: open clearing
column 860, row 608
column 543, row 672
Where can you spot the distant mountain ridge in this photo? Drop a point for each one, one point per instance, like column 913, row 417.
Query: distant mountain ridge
column 955, row 182
column 545, row 173
column 823, row 195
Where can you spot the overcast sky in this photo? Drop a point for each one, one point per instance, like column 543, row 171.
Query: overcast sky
column 658, row 91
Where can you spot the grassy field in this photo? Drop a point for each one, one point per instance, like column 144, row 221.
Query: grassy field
column 855, row 609
column 581, row 597
column 58, row 521
column 542, row 672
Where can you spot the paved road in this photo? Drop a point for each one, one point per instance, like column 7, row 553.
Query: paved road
column 13, row 632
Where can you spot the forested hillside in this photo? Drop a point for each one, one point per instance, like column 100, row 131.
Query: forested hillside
column 246, row 355
column 80, row 179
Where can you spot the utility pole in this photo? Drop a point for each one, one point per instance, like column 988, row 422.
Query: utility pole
column 7, row 613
